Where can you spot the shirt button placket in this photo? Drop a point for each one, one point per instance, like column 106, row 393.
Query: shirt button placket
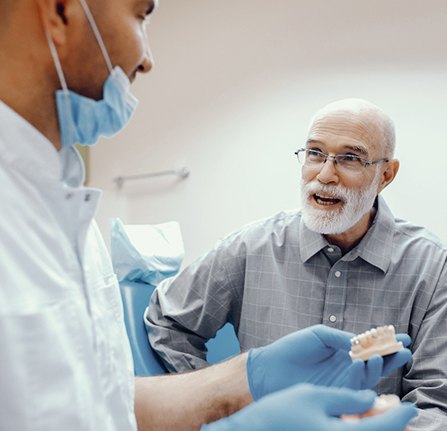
column 335, row 297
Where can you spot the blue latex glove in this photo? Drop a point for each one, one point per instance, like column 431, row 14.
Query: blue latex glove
column 317, row 355
column 313, row 408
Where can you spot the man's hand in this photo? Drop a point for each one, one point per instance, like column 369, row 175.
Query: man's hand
column 311, row 408
column 317, row 355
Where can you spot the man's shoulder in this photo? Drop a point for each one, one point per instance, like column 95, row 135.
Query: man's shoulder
column 278, row 224
column 418, row 236
column 26, row 217
column 279, row 219
column 14, row 194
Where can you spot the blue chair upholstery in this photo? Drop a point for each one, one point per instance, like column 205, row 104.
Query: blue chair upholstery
column 135, row 299
column 146, row 362
column 224, row 345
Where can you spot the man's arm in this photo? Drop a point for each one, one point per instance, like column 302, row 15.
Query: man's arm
column 185, row 312
column 186, row 401
column 425, row 383
column 315, row 355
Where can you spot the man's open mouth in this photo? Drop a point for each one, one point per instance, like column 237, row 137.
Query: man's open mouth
column 325, row 200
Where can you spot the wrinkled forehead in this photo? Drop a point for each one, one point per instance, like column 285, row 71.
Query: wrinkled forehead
column 347, row 127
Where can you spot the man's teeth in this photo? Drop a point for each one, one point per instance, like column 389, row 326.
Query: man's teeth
column 321, row 200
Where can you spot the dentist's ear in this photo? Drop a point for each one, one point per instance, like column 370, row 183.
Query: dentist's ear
column 389, row 173
column 56, row 16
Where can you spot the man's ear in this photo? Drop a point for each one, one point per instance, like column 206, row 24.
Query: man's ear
column 388, row 175
column 55, row 17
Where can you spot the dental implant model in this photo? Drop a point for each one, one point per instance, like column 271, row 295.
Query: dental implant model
column 381, row 341
column 381, row 404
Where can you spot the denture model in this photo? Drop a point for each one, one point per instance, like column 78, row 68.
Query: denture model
column 381, row 404
column 381, row 341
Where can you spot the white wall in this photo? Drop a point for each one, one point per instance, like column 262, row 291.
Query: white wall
column 231, row 94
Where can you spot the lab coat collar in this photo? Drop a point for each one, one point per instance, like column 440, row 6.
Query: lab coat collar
column 26, row 149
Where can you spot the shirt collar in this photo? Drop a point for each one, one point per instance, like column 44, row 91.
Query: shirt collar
column 25, row 149
column 310, row 242
column 375, row 247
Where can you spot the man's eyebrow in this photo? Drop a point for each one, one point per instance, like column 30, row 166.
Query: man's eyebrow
column 354, row 148
column 357, row 149
column 313, row 141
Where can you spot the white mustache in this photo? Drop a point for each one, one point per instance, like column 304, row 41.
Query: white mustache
column 336, row 192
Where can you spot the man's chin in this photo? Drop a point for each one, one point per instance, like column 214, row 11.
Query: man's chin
column 325, row 222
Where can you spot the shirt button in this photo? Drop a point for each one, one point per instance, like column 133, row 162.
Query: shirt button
column 68, row 196
column 337, row 274
column 332, row 318
column 87, row 197
column 330, row 249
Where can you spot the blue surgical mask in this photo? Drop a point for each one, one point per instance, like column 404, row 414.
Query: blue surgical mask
column 83, row 120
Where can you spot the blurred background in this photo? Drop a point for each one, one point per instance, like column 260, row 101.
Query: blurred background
column 234, row 86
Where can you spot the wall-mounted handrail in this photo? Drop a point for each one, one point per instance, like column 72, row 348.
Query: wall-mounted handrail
column 181, row 172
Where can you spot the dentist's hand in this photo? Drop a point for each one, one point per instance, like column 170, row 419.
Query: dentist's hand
column 317, row 355
column 312, row 408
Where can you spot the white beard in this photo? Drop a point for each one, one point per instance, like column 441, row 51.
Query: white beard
column 331, row 222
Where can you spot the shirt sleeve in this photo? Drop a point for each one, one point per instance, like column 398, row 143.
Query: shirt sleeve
column 188, row 310
column 425, row 383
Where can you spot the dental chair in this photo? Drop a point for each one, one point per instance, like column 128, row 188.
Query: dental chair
column 136, row 297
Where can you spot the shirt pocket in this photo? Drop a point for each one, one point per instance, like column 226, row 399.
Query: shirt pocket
column 45, row 382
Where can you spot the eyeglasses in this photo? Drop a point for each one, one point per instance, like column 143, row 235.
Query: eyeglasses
column 348, row 162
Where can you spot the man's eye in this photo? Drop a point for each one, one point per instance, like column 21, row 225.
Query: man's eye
column 313, row 153
column 349, row 158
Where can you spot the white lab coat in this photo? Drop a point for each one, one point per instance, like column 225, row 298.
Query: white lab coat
column 65, row 361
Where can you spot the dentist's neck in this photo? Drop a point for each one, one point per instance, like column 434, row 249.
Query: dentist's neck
column 29, row 91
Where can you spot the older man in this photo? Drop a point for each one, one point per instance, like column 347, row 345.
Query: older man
column 344, row 261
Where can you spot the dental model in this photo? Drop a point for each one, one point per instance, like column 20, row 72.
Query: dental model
column 381, row 341
column 381, row 405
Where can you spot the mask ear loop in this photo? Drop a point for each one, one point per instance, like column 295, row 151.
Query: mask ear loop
column 97, row 34
column 57, row 62
column 64, row 86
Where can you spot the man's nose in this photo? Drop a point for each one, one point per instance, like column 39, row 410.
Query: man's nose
column 328, row 173
column 147, row 61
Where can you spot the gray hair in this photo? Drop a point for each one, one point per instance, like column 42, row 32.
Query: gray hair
column 368, row 112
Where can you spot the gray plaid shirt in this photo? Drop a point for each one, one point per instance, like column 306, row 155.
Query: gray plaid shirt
column 276, row 276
